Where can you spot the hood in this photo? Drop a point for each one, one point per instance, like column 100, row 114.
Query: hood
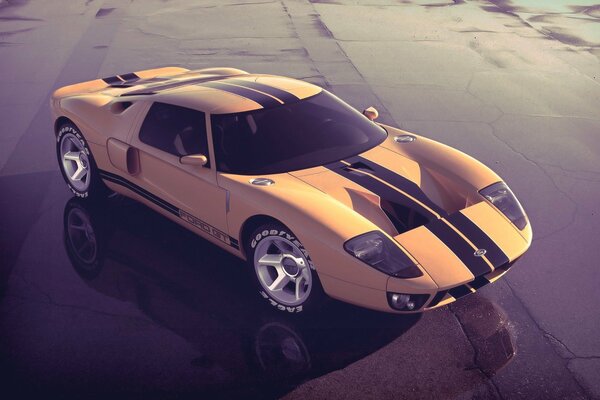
column 390, row 190
column 454, row 241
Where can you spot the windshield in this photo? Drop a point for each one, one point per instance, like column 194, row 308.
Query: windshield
column 311, row 132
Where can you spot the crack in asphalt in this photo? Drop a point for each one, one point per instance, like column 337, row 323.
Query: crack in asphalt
column 551, row 339
column 50, row 301
column 550, row 178
column 325, row 32
column 572, row 356
column 539, row 165
column 386, row 40
column 297, row 36
column 236, row 4
column 570, row 172
column 475, row 360
column 167, row 37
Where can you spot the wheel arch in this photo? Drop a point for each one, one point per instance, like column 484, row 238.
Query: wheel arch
column 60, row 121
column 250, row 224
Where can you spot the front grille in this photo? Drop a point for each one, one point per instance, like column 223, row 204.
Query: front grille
column 460, row 291
column 437, row 298
column 463, row 290
column 505, row 266
column 479, row 282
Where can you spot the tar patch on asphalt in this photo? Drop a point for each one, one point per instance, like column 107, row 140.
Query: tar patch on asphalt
column 487, row 328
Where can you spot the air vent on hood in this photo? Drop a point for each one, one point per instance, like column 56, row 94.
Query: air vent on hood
column 404, row 218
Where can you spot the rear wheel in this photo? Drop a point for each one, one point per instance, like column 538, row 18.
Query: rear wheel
column 283, row 269
column 77, row 164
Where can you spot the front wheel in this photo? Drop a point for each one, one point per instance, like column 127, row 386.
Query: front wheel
column 283, row 269
column 77, row 164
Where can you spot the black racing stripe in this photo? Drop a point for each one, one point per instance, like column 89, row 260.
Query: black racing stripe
column 282, row 95
column 459, row 246
column 111, row 80
column 400, row 182
column 459, row 291
column 129, row 77
column 262, row 99
column 379, row 188
column 479, row 238
column 336, row 165
column 141, row 191
column 234, row 243
column 479, row 282
column 166, row 84
column 157, row 200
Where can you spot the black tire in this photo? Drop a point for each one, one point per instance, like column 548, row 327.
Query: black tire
column 316, row 297
column 96, row 188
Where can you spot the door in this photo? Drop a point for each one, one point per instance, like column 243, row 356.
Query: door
column 189, row 192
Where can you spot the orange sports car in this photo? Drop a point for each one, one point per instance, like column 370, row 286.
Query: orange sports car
column 317, row 197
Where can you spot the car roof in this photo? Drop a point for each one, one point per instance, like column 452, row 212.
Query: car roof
column 217, row 94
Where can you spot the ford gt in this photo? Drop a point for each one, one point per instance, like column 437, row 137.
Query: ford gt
column 317, row 197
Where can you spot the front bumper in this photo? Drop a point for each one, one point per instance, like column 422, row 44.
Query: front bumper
column 379, row 300
column 449, row 274
column 447, row 296
column 457, row 268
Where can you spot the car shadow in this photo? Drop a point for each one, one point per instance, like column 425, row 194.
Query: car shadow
column 205, row 296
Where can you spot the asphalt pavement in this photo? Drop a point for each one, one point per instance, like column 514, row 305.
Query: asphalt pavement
column 513, row 83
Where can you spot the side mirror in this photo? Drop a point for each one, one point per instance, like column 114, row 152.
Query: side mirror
column 199, row 160
column 371, row 113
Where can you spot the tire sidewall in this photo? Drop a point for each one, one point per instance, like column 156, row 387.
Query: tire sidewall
column 277, row 230
column 64, row 130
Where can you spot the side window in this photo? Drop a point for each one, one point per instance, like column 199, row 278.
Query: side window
column 177, row 130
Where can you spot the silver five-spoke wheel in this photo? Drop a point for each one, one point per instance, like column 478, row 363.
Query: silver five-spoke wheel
column 283, row 270
column 75, row 162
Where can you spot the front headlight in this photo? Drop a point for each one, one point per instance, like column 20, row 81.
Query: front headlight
column 376, row 250
column 504, row 200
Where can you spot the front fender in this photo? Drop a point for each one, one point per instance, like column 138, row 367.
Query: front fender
column 320, row 222
column 458, row 175
column 86, row 112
